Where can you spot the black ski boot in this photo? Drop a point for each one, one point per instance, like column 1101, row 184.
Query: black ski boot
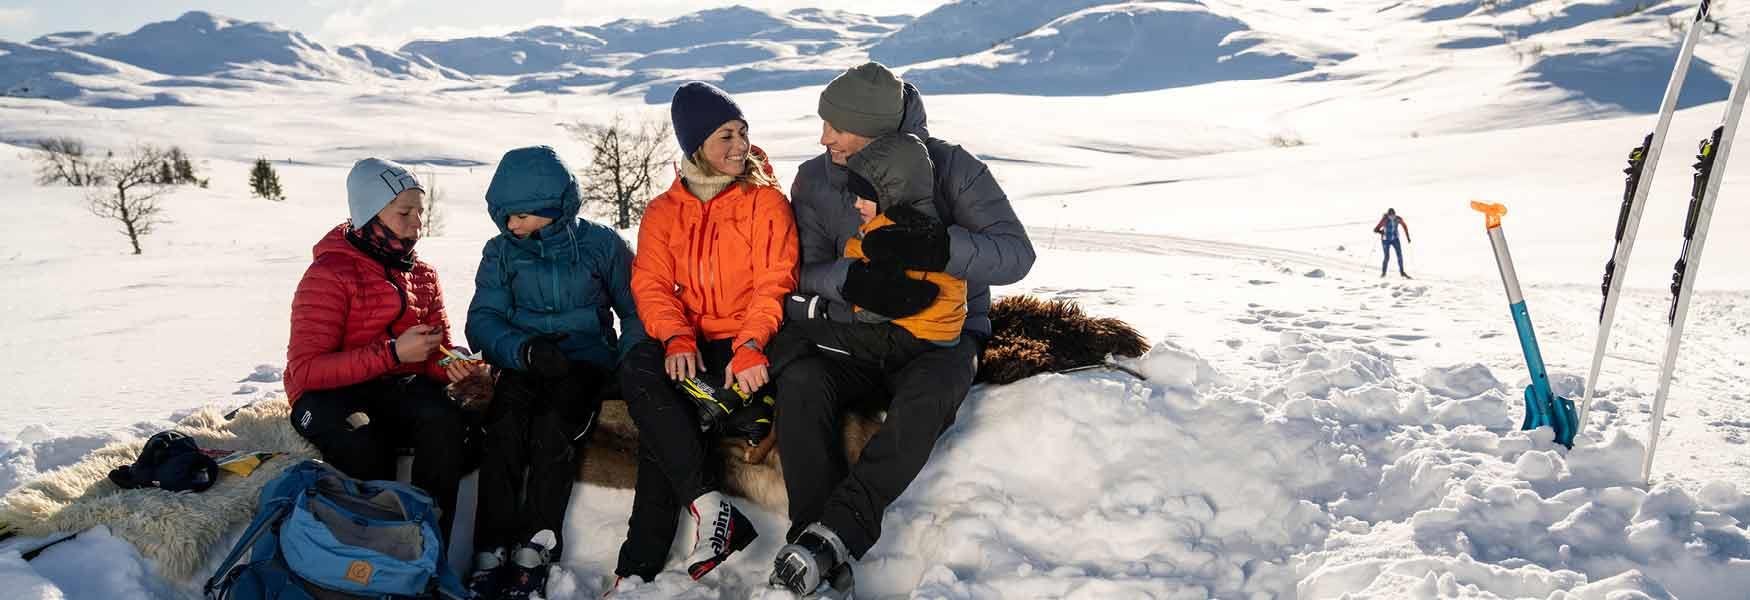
column 488, row 576
column 713, row 403
column 525, row 578
column 816, row 565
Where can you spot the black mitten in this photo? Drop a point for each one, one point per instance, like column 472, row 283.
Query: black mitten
column 914, row 241
column 542, row 355
column 887, row 291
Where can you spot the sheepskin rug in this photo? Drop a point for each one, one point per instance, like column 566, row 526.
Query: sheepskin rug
column 176, row 530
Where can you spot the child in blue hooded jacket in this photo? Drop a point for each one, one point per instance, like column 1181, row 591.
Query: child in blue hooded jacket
column 545, row 298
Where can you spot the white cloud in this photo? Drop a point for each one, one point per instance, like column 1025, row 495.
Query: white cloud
column 351, row 21
column 14, row 17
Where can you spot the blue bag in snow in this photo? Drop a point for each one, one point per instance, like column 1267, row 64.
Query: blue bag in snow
column 320, row 534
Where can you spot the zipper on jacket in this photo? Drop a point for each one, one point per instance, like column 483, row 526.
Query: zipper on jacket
column 400, row 294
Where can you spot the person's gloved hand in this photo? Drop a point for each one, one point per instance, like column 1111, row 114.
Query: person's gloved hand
column 914, row 241
column 886, row 290
column 542, row 355
column 753, row 422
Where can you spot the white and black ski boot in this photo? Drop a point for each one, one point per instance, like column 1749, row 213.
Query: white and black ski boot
column 488, row 573
column 526, row 575
column 720, row 530
column 816, row 565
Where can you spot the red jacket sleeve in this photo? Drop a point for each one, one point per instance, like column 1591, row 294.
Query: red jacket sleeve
column 775, row 263
column 1406, row 227
column 440, row 320
column 314, row 358
column 653, row 274
column 1380, row 228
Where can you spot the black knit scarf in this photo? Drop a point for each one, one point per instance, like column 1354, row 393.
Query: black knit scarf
column 380, row 243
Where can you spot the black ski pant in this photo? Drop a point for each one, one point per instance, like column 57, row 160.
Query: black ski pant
column 885, row 346
column 676, row 462
column 358, row 429
column 814, row 393
column 535, row 428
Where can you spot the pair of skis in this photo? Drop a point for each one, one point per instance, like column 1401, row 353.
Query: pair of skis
column 1643, row 161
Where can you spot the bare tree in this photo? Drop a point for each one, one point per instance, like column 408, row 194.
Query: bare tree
column 131, row 193
column 625, row 159
column 63, row 160
column 433, row 220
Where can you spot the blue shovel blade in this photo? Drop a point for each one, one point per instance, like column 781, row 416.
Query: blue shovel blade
column 1554, row 412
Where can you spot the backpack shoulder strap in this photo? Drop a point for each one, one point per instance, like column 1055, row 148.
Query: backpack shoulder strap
column 277, row 509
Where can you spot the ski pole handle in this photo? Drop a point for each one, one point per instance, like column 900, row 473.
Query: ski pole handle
column 1491, row 210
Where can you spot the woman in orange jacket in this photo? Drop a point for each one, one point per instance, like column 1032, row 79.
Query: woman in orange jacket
column 716, row 254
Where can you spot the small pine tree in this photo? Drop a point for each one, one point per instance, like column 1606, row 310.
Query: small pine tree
column 183, row 169
column 264, row 181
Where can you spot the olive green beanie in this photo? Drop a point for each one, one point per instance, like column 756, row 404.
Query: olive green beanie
column 866, row 100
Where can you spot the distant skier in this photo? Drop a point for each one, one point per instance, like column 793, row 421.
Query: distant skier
column 1388, row 240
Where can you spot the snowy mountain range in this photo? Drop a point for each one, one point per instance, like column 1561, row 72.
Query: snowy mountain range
column 1585, row 51
column 1210, row 172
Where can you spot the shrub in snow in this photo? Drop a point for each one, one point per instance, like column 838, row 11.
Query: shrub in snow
column 63, row 160
column 264, row 182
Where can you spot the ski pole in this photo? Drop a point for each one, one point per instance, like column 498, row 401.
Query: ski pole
column 1542, row 407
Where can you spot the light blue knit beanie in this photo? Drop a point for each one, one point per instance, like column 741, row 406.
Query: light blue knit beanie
column 373, row 184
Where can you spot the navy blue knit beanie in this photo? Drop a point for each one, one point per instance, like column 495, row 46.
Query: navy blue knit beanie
column 698, row 109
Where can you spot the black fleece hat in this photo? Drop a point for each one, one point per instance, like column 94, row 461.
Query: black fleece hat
column 170, row 461
column 698, row 109
column 861, row 188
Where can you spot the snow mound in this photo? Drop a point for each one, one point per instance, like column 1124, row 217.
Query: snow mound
column 1459, row 381
column 95, row 564
column 1113, row 49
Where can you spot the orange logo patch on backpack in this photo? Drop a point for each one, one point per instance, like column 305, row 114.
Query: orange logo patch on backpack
column 359, row 572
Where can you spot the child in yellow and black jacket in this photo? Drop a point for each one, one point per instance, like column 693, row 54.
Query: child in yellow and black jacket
column 892, row 183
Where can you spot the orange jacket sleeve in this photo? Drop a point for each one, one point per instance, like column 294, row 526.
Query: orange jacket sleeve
column 653, row 274
column 775, row 263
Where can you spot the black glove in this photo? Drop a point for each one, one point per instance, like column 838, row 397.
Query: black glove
column 914, row 241
column 542, row 355
column 887, row 290
column 752, row 422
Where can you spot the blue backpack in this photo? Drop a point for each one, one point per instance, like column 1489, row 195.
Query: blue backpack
column 320, row 534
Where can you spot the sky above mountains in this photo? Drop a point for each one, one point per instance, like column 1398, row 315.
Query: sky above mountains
column 384, row 23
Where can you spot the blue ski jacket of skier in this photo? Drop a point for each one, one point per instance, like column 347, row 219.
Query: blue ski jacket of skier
column 569, row 278
column 1388, row 226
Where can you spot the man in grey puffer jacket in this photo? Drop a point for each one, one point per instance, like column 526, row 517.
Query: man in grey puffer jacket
column 836, row 508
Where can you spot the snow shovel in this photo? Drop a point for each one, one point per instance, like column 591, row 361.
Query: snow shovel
column 1542, row 407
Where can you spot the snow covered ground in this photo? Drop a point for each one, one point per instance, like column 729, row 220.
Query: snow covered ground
column 1308, row 429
